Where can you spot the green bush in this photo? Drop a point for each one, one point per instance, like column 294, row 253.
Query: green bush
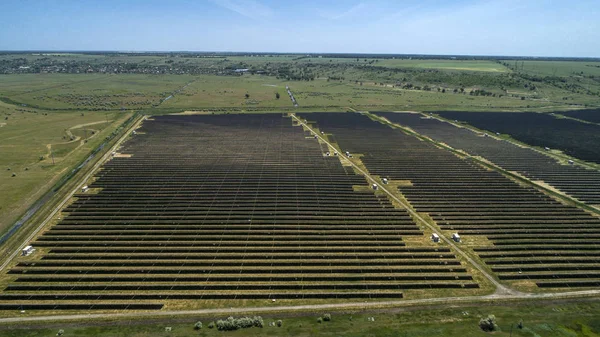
column 231, row 323
column 327, row 317
column 319, row 320
column 488, row 324
column 211, row 325
column 279, row 323
column 198, row 325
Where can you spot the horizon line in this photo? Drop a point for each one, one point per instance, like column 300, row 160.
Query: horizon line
column 75, row 51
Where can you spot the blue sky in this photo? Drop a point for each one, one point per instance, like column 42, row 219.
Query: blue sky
column 471, row 27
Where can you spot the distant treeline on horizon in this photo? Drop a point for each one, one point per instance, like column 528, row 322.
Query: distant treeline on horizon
column 327, row 55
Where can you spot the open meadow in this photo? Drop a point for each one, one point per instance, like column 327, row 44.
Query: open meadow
column 38, row 147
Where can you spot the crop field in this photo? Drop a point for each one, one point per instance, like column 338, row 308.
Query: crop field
column 226, row 207
column 574, row 138
column 579, row 182
column 461, row 65
column 534, row 240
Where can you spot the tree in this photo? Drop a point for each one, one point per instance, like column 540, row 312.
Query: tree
column 488, row 324
column 327, row 317
column 247, row 96
column 279, row 323
column 198, row 325
column 277, row 95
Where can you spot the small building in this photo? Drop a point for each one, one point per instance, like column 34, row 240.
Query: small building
column 456, row 237
column 134, row 133
column 385, row 180
column 327, row 154
column 435, row 237
column 571, row 162
column 335, row 153
column 84, row 189
column 375, row 187
column 547, row 148
column 497, row 133
column 27, row 251
column 322, row 132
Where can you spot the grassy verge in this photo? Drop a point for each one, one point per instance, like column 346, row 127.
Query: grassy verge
column 550, row 318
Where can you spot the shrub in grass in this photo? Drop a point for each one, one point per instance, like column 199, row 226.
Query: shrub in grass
column 60, row 332
column 279, row 323
column 319, row 320
column 211, row 325
column 488, row 323
column 231, row 323
column 327, row 317
column 198, row 325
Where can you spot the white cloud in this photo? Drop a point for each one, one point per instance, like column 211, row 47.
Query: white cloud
column 352, row 11
column 248, row 8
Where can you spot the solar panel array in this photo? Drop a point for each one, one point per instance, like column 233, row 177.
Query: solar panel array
column 581, row 183
column 225, row 207
column 534, row 237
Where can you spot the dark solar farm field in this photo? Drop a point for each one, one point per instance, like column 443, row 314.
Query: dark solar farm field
column 582, row 184
column 230, row 207
column 574, row 138
column 586, row 115
column 534, row 238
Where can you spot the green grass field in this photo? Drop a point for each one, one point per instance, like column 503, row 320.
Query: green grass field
column 27, row 139
column 90, row 91
column 460, row 65
column 336, row 84
column 546, row 319
column 557, row 68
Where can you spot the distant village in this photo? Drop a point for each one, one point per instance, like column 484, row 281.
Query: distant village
column 53, row 65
